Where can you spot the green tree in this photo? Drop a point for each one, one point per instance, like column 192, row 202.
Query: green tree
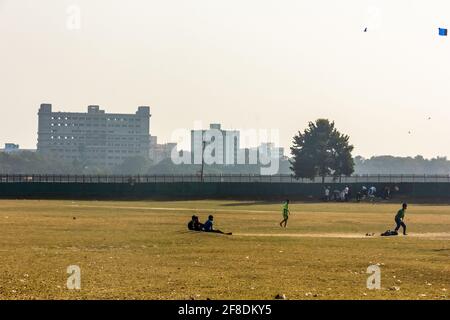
column 321, row 150
column 133, row 165
column 342, row 155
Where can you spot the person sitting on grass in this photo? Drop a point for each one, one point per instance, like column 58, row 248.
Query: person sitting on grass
column 194, row 224
column 399, row 219
column 209, row 226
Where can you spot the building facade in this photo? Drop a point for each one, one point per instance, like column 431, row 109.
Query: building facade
column 218, row 146
column 95, row 138
column 160, row 152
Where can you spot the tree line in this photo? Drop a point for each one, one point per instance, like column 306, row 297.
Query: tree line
column 319, row 150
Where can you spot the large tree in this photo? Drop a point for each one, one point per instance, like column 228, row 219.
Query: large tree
column 133, row 165
column 321, row 150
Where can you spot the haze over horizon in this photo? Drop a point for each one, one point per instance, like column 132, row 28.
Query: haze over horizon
column 245, row 64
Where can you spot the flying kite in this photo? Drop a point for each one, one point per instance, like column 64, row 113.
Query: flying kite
column 443, row 32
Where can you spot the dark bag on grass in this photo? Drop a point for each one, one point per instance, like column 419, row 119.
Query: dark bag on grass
column 389, row 233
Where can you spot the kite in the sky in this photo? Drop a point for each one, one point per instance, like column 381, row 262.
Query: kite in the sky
column 442, row 32
column 365, row 30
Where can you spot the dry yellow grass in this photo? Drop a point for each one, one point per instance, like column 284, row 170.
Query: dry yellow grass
column 141, row 250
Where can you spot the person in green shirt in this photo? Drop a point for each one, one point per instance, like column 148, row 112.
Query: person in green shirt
column 285, row 211
column 399, row 219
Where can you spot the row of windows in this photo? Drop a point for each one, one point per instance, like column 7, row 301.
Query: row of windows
column 94, row 145
column 93, row 138
column 88, row 132
column 97, row 151
column 94, row 125
column 131, row 119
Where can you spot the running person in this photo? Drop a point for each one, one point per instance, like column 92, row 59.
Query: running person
column 399, row 219
column 285, row 211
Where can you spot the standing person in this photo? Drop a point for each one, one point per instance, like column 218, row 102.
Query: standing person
column 346, row 193
column 388, row 193
column 285, row 211
column 358, row 196
column 364, row 192
column 372, row 193
column 208, row 226
column 327, row 193
column 342, row 195
column 336, row 195
column 399, row 219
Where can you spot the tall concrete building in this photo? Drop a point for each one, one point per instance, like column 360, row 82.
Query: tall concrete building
column 160, row 152
column 224, row 145
column 94, row 138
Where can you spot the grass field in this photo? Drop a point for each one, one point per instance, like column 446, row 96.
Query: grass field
column 142, row 250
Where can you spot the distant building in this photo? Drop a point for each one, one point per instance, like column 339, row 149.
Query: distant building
column 94, row 138
column 11, row 147
column 226, row 142
column 160, row 152
column 262, row 153
column 14, row 148
column 271, row 150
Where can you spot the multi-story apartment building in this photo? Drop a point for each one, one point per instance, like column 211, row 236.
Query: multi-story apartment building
column 226, row 143
column 160, row 152
column 94, row 138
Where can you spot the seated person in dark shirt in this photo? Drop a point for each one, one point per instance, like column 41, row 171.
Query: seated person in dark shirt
column 209, row 226
column 195, row 224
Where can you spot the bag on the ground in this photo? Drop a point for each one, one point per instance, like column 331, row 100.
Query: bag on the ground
column 389, row 233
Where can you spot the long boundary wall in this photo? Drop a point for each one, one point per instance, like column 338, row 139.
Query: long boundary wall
column 198, row 190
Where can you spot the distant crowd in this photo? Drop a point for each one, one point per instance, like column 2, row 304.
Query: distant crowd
column 346, row 194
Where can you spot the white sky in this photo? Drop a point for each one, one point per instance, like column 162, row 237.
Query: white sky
column 258, row 64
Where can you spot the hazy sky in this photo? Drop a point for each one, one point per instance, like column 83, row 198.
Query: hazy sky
column 245, row 63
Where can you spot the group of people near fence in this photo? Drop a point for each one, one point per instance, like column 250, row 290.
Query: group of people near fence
column 369, row 193
column 337, row 195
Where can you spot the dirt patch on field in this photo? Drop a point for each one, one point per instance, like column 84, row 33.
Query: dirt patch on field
column 433, row 236
column 169, row 209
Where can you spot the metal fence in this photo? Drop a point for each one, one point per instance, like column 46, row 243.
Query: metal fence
column 236, row 178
